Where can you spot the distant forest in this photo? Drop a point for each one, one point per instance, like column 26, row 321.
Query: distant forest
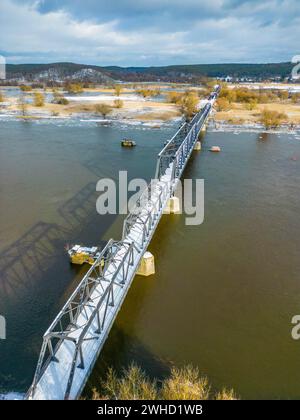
column 214, row 70
column 174, row 73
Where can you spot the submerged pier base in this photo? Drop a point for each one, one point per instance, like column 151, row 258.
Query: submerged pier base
column 147, row 266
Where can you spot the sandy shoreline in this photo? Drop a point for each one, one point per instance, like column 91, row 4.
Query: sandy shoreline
column 238, row 114
column 133, row 108
column 79, row 120
column 137, row 109
column 260, row 85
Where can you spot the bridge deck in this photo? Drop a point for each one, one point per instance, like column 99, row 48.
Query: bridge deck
column 74, row 340
column 54, row 381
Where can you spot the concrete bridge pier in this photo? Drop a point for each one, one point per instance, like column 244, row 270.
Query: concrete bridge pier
column 198, row 145
column 147, row 265
column 172, row 206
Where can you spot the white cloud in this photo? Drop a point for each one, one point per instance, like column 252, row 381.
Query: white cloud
column 24, row 28
column 228, row 30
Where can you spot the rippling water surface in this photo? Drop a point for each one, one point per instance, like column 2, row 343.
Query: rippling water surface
column 224, row 292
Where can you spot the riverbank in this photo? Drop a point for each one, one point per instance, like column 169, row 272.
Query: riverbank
column 131, row 107
column 289, row 87
column 239, row 114
column 271, row 105
column 128, row 105
column 132, row 110
column 225, row 127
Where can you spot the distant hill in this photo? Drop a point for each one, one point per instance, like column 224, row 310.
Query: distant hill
column 57, row 72
column 179, row 73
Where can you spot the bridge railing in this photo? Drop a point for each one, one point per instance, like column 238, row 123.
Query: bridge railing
column 166, row 154
column 146, row 210
column 179, row 135
column 89, row 301
column 183, row 152
column 174, row 155
column 173, row 149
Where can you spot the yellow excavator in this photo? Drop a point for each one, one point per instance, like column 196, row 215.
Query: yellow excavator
column 83, row 255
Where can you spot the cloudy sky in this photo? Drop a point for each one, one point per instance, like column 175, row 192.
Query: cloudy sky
column 149, row 32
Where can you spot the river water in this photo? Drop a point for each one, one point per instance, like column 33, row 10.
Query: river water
column 224, row 292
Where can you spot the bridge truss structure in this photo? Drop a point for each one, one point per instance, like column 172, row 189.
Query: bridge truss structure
column 74, row 340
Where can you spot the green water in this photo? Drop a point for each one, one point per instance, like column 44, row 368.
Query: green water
column 224, row 292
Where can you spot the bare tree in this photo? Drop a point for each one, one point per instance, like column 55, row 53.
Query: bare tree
column 118, row 90
column 103, row 109
column 22, row 105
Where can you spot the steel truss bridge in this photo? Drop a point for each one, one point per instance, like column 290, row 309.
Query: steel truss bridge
column 72, row 343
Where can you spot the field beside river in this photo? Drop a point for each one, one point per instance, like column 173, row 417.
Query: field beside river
column 246, row 104
column 239, row 114
column 128, row 105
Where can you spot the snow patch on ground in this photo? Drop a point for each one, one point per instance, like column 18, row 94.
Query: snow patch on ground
column 80, row 121
column 289, row 87
column 253, row 128
column 99, row 98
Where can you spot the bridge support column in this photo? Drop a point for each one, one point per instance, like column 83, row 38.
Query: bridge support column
column 198, row 146
column 147, row 266
column 173, row 206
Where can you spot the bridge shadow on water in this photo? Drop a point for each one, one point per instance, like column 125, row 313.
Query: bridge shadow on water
column 32, row 254
column 36, row 278
column 80, row 208
column 95, row 166
column 44, row 243
column 85, row 225
column 34, row 274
